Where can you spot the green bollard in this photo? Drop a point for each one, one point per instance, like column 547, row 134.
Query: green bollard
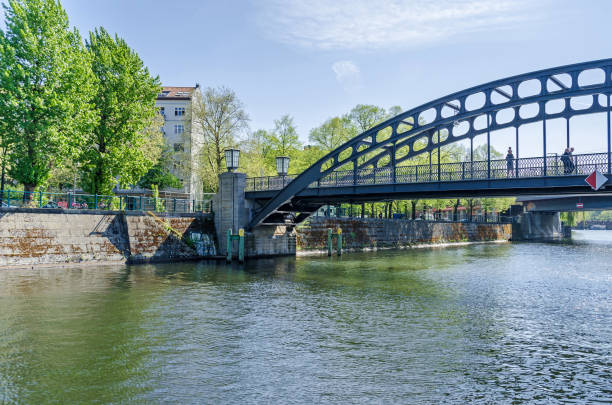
column 339, row 241
column 241, row 245
column 329, row 241
column 40, row 200
column 9, row 198
column 229, row 246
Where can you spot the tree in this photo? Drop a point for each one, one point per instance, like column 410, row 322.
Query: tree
column 127, row 141
column 332, row 133
column 282, row 141
column 221, row 119
column 480, row 153
column 364, row 116
column 159, row 175
column 253, row 155
column 46, row 86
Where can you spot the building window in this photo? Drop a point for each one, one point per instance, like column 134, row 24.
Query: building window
column 162, row 111
column 179, row 147
column 179, row 111
column 164, row 93
column 182, row 94
column 179, row 129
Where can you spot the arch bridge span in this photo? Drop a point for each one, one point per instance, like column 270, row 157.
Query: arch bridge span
column 373, row 165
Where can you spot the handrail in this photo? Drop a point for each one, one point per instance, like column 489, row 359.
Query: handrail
column 83, row 201
column 583, row 164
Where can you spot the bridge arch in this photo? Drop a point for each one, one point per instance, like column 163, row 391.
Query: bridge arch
column 459, row 116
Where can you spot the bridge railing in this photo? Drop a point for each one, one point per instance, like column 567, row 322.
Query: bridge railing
column 551, row 166
column 83, row 201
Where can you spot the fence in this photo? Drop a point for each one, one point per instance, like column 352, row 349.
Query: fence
column 460, row 171
column 81, row 201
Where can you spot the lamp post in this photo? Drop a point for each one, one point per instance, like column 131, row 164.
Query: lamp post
column 232, row 157
column 282, row 167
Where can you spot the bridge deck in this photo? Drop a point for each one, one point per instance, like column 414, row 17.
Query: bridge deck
column 527, row 176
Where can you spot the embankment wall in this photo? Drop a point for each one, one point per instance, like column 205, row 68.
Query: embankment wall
column 373, row 233
column 33, row 236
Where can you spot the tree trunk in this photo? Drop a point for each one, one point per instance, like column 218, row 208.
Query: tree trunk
column 455, row 209
column 471, row 210
column 413, row 213
column 28, row 191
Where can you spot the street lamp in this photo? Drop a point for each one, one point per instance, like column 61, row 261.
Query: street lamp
column 231, row 159
column 282, row 165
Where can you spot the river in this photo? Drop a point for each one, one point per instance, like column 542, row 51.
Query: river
column 484, row 323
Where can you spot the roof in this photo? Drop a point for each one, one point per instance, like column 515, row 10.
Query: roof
column 176, row 93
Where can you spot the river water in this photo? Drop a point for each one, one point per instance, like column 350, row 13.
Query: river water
column 489, row 323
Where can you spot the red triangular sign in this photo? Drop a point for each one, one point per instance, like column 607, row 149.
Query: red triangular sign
column 596, row 180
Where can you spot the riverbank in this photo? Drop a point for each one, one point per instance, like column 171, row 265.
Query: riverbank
column 369, row 234
column 62, row 237
column 319, row 252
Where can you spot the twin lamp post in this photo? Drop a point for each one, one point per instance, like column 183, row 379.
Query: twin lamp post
column 232, row 157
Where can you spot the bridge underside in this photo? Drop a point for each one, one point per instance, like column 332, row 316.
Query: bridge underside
column 309, row 200
column 589, row 202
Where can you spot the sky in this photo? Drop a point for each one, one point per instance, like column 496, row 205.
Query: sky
column 316, row 59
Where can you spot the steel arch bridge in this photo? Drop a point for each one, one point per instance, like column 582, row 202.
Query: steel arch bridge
column 372, row 165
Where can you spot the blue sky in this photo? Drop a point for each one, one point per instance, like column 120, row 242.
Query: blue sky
column 316, row 59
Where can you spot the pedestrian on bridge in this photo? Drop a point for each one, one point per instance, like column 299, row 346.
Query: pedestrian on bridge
column 510, row 162
column 566, row 160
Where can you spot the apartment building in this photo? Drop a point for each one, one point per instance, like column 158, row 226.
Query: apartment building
column 177, row 104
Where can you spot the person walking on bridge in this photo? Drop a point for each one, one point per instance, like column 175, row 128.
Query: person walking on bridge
column 565, row 159
column 509, row 162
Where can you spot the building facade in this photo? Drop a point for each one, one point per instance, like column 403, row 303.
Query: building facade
column 184, row 138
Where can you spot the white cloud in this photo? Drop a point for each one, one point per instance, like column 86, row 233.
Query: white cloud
column 366, row 24
column 347, row 74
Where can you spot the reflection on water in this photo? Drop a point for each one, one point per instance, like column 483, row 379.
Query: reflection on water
column 484, row 323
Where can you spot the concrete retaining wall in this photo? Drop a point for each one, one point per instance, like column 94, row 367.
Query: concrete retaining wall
column 267, row 241
column 370, row 233
column 30, row 237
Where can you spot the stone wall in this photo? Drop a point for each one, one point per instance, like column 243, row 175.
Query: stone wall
column 29, row 236
column 270, row 241
column 371, row 233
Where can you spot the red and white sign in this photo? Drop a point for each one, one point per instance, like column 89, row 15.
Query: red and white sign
column 579, row 205
column 596, row 180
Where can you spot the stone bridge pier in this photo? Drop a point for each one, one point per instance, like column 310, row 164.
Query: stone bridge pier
column 233, row 211
column 538, row 226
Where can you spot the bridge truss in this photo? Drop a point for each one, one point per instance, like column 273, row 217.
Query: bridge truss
column 379, row 155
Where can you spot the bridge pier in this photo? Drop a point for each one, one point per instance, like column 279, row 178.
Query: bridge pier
column 538, row 226
column 233, row 211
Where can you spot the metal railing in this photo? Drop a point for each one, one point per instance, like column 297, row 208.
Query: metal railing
column 81, row 201
column 550, row 166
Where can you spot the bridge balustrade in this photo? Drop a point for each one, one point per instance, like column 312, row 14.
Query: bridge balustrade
column 551, row 166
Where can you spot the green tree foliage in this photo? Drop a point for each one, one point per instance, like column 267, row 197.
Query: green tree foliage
column 282, row 141
column 253, row 150
column 159, row 175
column 221, row 119
column 332, row 133
column 46, row 85
column 364, row 117
column 126, row 142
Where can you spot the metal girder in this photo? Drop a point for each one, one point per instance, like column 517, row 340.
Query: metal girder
column 385, row 136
